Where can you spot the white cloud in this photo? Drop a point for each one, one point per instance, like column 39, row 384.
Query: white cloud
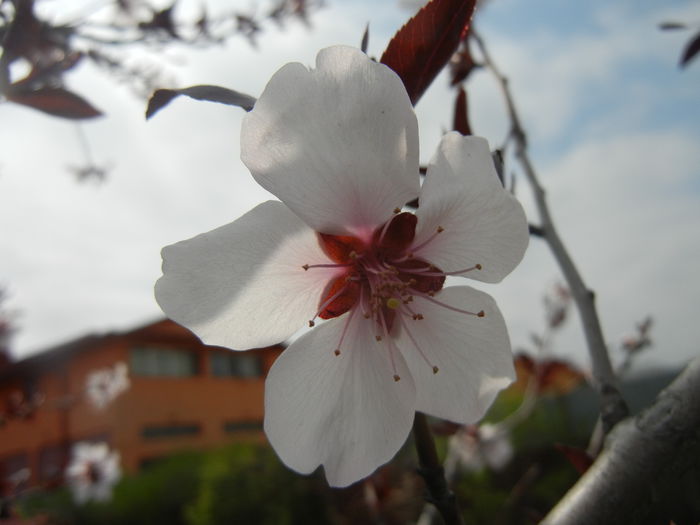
column 627, row 209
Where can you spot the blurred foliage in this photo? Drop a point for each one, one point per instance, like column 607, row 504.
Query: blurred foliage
column 247, row 484
column 242, row 483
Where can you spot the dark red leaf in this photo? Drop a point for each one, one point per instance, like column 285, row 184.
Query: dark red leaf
column 558, row 377
column 422, row 47
column 666, row 26
column 54, row 101
column 461, row 64
column 552, row 376
column 691, row 50
column 577, row 457
column 163, row 97
column 461, row 118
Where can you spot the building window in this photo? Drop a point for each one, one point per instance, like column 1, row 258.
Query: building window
column 52, row 460
column 242, row 426
column 235, row 364
column 168, row 431
column 168, row 362
column 14, row 469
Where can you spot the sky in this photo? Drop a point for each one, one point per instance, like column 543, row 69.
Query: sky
column 613, row 127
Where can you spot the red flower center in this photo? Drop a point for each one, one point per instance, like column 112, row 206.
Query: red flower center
column 381, row 275
column 380, row 278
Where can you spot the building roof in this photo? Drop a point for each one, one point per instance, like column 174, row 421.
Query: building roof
column 161, row 330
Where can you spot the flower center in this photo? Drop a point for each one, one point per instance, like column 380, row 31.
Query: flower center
column 380, row 278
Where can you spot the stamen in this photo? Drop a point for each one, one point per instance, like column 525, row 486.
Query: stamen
column 420, row 350
column 390, row 344
column 430, row 271
column 332, row 265
column 326, row 303
column 475, row 267
column 438, row 231
column 429, row 297
column 345, row 331
column 397, row 211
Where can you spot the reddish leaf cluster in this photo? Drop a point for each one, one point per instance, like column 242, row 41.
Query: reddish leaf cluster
column 551, row 376
column 692, row 47
column 51, row 50
column 424, row 45
column 47, row 49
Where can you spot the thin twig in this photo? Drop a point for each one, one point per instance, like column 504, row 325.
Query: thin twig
column 433, row 473
column 613, row 407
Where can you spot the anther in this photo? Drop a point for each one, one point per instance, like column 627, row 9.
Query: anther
column 378, row 337
column 435, row 369
column 478, row 266
column 418, row 317
column 397, row 210
column 440, row 229
column 481, row 314
column 305, row 267
column 337, row 351
column 397, row 377
column 311, row 324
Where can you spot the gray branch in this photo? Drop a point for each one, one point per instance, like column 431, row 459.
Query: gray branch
column 613, row 407
column 649, row 468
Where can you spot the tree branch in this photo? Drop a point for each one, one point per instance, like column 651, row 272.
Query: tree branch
column 645, row 466
column 612, row 406
column 433, row 473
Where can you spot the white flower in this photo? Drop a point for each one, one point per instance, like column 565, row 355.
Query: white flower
column 339, row 146
column 93, row 471
column 486, row 446
column 104, row 385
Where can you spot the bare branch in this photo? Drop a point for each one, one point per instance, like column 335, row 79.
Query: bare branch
column 644, row 465
column 433, row 473
column 613, row 406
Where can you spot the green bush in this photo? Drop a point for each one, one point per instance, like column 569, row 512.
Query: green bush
column 239, row 484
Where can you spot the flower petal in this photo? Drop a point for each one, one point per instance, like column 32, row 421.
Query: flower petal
column 472, row 354
column 243, row 285
column 345, row 412
column 337, row 144
column 483, row 223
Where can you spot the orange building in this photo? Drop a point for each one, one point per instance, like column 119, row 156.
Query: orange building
column 181, row 395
